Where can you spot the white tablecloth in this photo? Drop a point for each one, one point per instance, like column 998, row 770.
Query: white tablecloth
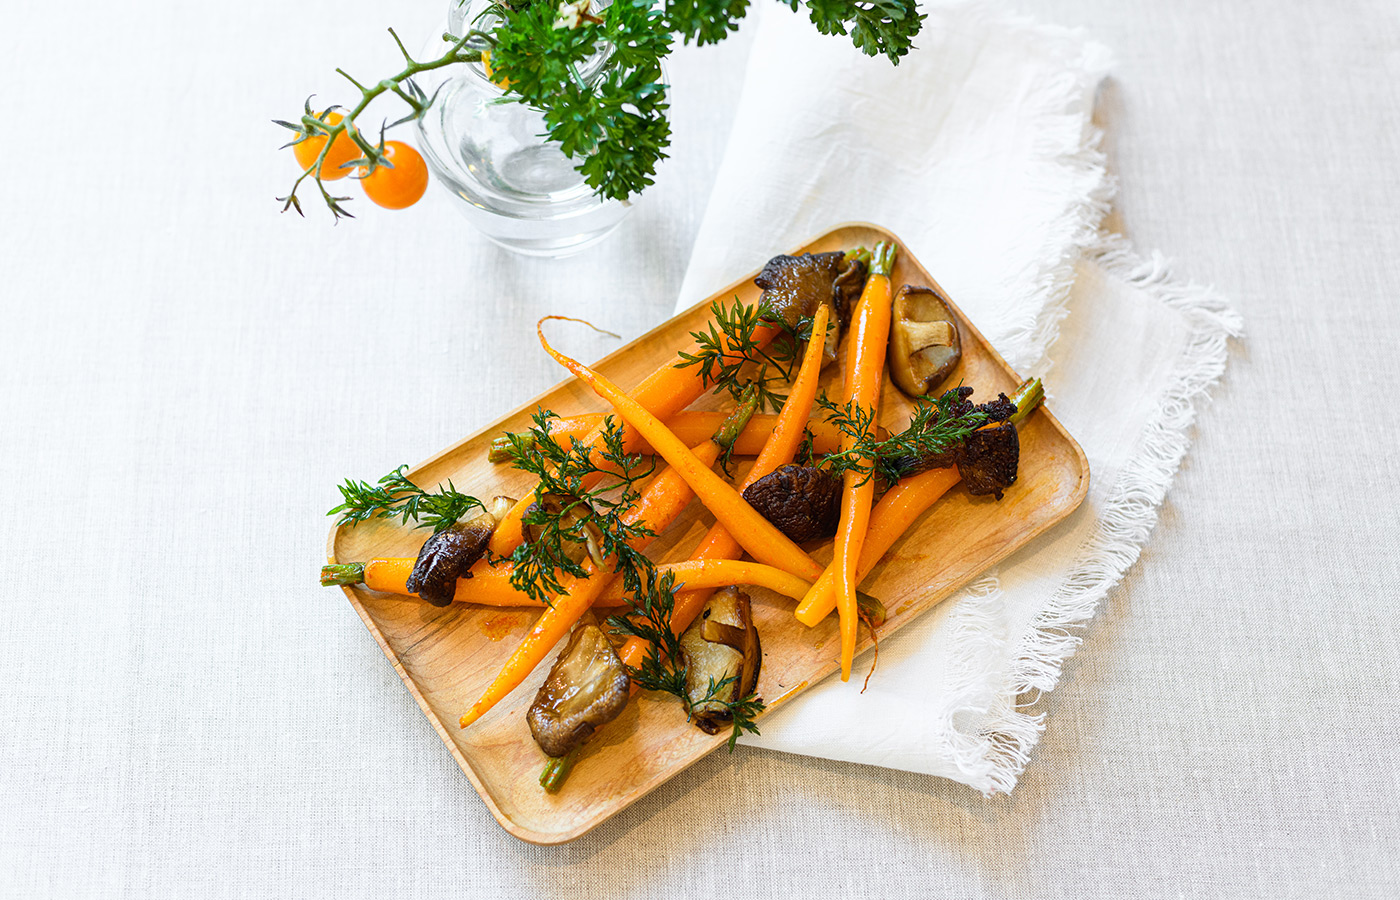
column 184, row 374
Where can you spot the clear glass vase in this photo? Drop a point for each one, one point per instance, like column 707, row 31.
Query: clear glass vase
column 491, row 153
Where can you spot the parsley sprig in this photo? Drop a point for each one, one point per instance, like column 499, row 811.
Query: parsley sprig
column 611, row 122
column 875, row 26
column 395, row 496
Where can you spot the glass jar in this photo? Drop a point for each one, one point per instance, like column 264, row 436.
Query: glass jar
column 514, row 185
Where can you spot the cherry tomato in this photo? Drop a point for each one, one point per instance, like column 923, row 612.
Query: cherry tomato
column 490, row 73
column 341, row 152
column 401, row 186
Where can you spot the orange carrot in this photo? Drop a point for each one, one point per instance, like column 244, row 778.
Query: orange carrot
column 660, row 503
column 691, row 426
column 487, row 585
column 759, row 537
column 890, row 518
column 896, row 512
column 490, row 584
column 664, row 393
column 713, row 573
column 779, row 450
column 865, row 362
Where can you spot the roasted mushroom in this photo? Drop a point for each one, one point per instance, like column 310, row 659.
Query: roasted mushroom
column 793, row 287
column 587, row 688
column 579, row 513
column 450, row 554
column 988, row 459
column 804, row 502
column 721, row 643
column 924, row 344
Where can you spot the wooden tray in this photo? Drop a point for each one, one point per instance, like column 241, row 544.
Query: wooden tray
column 446, row 657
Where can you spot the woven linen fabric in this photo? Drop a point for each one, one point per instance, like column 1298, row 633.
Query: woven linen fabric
column 185, row 375
column 980, row 154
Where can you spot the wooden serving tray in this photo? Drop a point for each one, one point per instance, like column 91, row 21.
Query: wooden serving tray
column 446, row 657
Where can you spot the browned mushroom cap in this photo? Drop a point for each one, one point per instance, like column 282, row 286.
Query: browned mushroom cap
column 721, row 643
column 587, row 688
column 804, row 502
column 450, row 554
column 988, row 459
column 579, row 513
column 794, row 286
column 924, row 343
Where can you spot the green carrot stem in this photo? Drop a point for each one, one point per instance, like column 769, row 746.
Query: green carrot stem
column 558, row 769
column 882, row 260
column 857, row 254
column 501, row 446
column 342, row 574
column 1029, row 395
column 729, row 430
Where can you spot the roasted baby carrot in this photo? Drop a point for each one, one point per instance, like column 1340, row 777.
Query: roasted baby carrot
column 664, row 393
column 490, row 584
column 865, row 361
column 663, row 499
column 781, row 446
column 759, row 537
column 896, row 512
column 691, row 426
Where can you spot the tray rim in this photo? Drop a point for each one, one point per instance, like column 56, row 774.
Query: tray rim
column 540, row 838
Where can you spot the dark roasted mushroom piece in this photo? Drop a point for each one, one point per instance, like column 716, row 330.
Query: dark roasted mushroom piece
column 721, row 643
column 579, row 512
column 988, row 459
column 794, row 286
column 587, row 688
column 450, row 554
column 804, row 502
column 924, row 343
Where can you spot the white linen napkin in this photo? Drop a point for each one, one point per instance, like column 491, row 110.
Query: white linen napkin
column 979, row 152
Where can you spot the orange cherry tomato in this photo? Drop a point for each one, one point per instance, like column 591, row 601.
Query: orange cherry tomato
column 342, row 151
column 401, row 186
column 491, row 75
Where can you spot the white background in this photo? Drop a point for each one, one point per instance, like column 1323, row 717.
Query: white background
column 185, row 374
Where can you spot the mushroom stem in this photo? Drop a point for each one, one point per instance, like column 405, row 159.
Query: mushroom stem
column 929, row 334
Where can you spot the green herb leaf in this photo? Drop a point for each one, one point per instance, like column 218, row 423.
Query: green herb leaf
column 602, row 483
column 395, row 496
column 663, row 667
column 731, row 357
column 936, row 427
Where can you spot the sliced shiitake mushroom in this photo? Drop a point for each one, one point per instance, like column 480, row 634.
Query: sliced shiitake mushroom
column 586, row 688
column 721, row 643
column 804, row 502
column 579, row 514
column 924, row 343
column 450, row 554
